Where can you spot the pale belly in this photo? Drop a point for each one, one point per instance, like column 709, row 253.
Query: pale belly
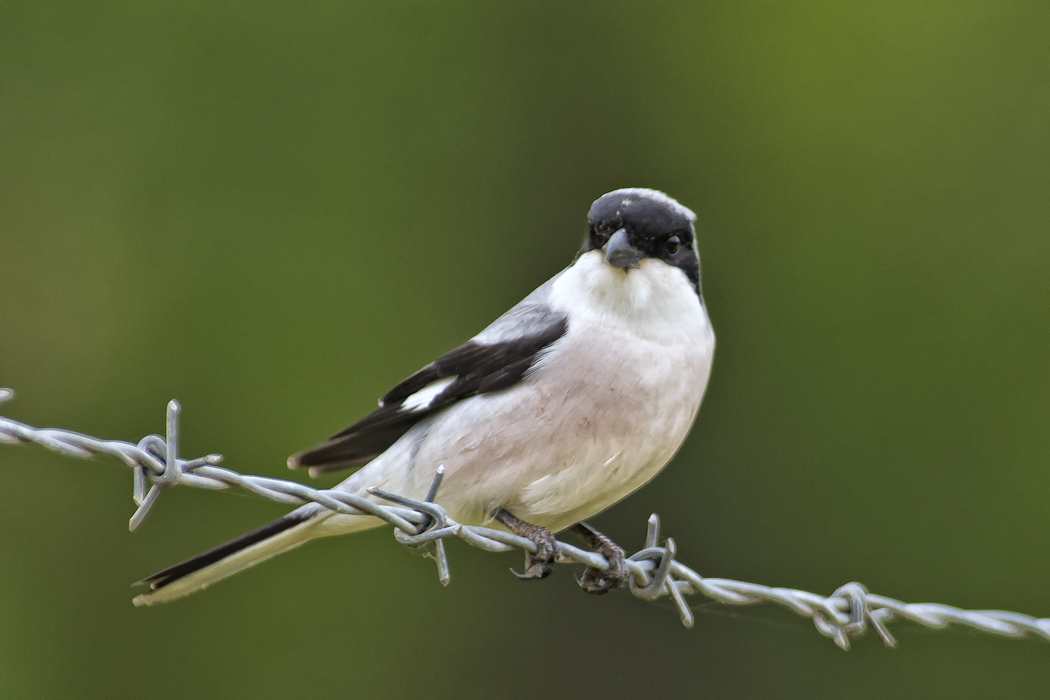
column 557, row 451
column 601, row 415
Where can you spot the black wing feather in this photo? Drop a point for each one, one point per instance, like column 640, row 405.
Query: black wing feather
column 478, row 368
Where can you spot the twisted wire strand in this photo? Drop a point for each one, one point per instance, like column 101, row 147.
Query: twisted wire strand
column 846, row 614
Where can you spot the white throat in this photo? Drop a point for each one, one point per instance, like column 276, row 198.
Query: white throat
column 655, row 299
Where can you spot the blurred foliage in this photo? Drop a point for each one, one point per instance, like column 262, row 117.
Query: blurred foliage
column 274, row 211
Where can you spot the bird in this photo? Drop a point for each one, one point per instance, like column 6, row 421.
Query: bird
column 567, row 403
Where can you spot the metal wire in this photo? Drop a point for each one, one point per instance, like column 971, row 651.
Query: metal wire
column 846, row 614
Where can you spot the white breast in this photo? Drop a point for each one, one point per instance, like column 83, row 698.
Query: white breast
column 637, row 357
column 603, row 410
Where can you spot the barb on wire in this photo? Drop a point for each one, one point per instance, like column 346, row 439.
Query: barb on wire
column 845, row 615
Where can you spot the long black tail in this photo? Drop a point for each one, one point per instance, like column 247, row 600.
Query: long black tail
column 227, row 559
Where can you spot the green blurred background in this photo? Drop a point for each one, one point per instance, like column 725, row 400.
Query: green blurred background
column 274, row 211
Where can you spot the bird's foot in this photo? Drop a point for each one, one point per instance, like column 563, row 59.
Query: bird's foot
column 594, row 580
column 540, row 564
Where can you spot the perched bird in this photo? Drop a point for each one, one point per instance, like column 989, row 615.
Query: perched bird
column 563, row 406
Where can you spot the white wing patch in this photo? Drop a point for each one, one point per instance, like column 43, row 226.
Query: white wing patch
column 422, row 399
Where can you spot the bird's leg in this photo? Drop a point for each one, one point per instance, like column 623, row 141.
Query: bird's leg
column 537, row 565
column 593, row 580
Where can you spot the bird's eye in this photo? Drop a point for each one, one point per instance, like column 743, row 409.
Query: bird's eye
column 671, row 245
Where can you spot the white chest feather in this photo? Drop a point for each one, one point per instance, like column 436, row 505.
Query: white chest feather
column 602, row 411
column 635, row 364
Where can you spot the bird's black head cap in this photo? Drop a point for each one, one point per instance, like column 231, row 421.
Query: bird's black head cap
column 654, row 223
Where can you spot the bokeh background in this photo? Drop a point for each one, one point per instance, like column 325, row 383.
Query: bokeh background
column 275, row 211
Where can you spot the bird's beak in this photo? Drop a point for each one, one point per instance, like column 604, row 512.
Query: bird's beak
column 620, row 253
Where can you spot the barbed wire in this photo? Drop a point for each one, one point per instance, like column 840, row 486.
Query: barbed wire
column 846, row 614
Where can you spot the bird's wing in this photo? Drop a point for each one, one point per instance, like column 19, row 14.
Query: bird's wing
column 495, row 359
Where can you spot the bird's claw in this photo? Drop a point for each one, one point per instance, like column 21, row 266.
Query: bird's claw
column 540, row 564
column 600, row 582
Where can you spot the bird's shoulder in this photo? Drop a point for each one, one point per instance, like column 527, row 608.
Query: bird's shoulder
column 495, row 359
